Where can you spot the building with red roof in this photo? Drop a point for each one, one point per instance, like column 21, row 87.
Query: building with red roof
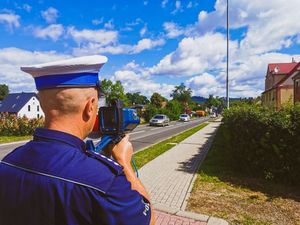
column 279, row 84
column 296, row 79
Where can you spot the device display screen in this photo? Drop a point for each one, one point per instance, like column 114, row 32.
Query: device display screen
column 109, row 118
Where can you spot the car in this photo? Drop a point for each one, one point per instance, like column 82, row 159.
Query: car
column 184, row 117
column 213, row 115
column 160, row 120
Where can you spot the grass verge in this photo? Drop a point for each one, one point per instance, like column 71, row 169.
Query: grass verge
column 148, row 154
column 219, row 191
column 7, row 139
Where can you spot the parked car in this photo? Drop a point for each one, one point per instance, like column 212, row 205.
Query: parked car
column 184, row 117
column 160, row 120
column 213, row 115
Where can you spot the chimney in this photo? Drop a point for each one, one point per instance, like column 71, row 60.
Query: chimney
column 293, row 60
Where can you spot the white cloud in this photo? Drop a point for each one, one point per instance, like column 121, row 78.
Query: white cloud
column 266, row 30
column 109, row 25
column 189, row 5
column 194, row 55
column 269, row 26
column 164, row 3
column 50, row 15
column 144, row 30
column 12, row 58
column 104, row 41
column 101, row 37
column 173, row 30
column 204, row 85
column 98, row 21
column 116, row 48
column 137, row 82
column 96, row 48
column 10, row 19
column 146, row 44
column 136, row 22
column 177, row 7
column 53, row 31
column 132, row 66
column 27, row 7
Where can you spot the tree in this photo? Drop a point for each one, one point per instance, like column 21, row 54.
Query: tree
column 182, row 94
column 137, row 98
column 157, row 100
column 4, row 91
column 215, row 102
column 114, row 90
column 174, row 108
column 150, row 111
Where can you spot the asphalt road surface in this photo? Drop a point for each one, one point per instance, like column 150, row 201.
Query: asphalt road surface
column 142, row 137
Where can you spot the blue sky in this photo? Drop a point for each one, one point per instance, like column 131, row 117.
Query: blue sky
column 152, row 45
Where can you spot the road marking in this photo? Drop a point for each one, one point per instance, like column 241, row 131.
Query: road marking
column 137, row 132
column 155, row 128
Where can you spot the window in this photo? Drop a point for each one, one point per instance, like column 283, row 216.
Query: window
column 38, row 115
column 38, row 108
column 28, row 108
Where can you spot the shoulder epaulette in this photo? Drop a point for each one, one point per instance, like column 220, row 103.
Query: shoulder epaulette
column 107, row 161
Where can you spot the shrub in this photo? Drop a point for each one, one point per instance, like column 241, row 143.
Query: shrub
column 265, row 143
column 11, row 125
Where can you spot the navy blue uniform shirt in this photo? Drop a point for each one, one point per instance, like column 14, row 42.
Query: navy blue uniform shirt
column 50, row 180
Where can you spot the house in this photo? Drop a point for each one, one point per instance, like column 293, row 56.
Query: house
column 22, row 104
column 296, row 79
column 279, row 84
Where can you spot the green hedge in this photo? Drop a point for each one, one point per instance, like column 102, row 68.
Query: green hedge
column 15, row 126
column 264, row 143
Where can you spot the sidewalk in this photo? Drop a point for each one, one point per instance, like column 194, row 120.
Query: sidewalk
column 169, row 179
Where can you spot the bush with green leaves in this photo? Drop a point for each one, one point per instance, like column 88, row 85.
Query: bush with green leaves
column 264, row 143
column 11, row 125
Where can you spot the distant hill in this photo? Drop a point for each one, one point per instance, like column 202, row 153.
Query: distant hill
column 199, row 99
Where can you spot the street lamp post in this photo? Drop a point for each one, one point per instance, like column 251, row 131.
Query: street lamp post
column 227, row 79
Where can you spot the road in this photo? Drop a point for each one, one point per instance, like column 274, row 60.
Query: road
column 144, row 136
column 141, row 137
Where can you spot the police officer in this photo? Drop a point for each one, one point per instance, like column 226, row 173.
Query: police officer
column 51, row 179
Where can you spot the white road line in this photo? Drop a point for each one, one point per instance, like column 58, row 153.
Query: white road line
column 141, row 131
column 155, row 128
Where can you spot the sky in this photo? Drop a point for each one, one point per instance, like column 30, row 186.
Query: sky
column 153, row 45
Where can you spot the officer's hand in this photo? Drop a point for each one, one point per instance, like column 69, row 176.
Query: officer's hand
column 122, row 152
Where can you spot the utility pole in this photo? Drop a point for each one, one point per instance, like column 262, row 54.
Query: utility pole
column 227, row 78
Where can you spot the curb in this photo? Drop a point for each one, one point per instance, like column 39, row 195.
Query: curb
column 183, row 207
column 210, row 220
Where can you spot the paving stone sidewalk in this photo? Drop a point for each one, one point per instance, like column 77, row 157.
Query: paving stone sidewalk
column 169, row 179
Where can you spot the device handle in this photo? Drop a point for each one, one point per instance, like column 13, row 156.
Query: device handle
column 105, row 140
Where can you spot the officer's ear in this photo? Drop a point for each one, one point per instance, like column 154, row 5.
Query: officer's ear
column 90, row 108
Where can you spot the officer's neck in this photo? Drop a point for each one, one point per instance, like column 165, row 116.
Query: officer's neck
column 74, row 128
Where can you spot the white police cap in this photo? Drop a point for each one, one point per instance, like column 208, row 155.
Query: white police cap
column 75, row 72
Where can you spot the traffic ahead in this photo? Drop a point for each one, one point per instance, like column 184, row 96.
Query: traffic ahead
column 141, row 137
